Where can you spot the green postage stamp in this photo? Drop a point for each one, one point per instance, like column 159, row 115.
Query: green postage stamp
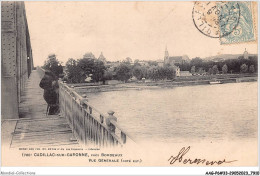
column 230, row 21
column 244, row 30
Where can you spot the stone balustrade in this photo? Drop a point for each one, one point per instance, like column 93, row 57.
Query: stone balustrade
column 88, row 124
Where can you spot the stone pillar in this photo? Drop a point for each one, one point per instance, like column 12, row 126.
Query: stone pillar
column 109, row 118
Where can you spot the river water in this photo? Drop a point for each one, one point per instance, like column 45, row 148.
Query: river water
column 191, row 113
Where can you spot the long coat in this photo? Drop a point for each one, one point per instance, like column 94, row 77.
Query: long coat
column 50, row 86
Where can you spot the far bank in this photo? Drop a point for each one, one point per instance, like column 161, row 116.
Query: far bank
column 114, row 85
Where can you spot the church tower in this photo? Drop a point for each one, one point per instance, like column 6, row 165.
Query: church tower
column 102, row 58
column 166, row 56
column 245, row 54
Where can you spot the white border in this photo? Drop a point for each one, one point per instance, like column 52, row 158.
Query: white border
column 132, row 170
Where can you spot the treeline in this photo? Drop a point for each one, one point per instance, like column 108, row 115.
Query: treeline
column 78, row 71
column 239, row 65
column 89, row 68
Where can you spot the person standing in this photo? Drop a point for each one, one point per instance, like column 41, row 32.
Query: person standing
column 50, row 85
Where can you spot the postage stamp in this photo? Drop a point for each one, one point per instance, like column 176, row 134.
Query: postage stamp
column 244, row 31
column 231, row 22
column 216, row 19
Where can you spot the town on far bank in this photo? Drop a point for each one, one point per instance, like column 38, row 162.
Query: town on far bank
column 169, row 71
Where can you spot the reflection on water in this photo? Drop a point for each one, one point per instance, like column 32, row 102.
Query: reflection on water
column 210, row 112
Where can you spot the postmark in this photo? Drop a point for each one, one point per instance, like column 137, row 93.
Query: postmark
column 216, row 19
column 244, row 31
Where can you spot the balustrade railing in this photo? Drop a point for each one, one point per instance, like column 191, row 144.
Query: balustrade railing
column 88, row 124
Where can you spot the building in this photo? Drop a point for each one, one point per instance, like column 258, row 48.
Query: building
column 177, row 70
column 185, row 73
column 245, row 54
column 102, row 58
column 143, row 63
column 160, row 64
column 89, row 55
column 113, row 64
column 172, row 60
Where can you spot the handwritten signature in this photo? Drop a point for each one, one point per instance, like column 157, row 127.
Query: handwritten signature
column 180, row 158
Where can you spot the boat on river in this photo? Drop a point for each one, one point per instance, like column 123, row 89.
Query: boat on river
column 215, row 82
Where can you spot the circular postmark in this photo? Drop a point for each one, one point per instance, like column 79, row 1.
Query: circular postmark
column 216, row 19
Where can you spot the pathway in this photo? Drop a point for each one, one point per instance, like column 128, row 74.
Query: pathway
column 34, row 128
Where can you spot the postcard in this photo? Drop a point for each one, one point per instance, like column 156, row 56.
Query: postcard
column 129, row 83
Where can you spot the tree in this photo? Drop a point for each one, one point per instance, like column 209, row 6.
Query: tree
column 123, row 72
column 108, row 75
column 91, row 66
column 152, row 63
column 136, row 63
column 243, row 68
column 169, row 72
column 87, row 66
column 197, row 62
column 98, row 71
column 153, row 72
column 215, row 69
column 184, row 66
column 162, row 72
column 225, row 69
column 193, row 69
column 201, row 71
column 210, row 71
column 138, row 72
column 53, row 65
column 252, row 69
column 73, row 71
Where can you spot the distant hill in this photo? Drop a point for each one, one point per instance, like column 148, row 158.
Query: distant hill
column 222, row 57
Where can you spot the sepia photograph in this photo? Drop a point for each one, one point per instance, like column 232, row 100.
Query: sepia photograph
column 129, row 83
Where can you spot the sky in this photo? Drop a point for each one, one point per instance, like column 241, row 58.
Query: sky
column 139, row 30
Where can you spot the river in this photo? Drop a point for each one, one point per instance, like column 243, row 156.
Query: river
column 190, row 113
